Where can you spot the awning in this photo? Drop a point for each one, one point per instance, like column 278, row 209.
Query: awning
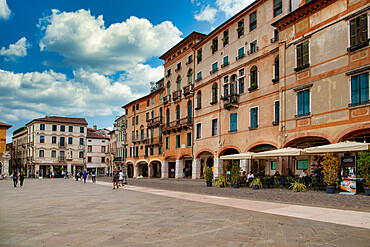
column 241, row 156
column 340, row 147
column 279, row 153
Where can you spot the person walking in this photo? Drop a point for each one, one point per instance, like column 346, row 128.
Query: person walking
column 84, row 176
column 15, row 179
column 66, row 175
column 21, row 178
column 120, row 181
column 115, row 178
column 93, row 176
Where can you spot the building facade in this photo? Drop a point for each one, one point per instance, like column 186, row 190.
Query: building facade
column 97, row 152
column 4, row 155
column 19, row 151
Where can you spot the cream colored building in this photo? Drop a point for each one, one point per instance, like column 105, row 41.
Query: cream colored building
column 4, row 155
column 20, row 151
column 97, row 152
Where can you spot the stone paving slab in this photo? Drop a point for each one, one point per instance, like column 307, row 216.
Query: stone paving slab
column 56, row 212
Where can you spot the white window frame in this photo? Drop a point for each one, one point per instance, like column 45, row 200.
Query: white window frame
column 258, row 117
column 296, row 99
column 349, row 26
column 309, row 52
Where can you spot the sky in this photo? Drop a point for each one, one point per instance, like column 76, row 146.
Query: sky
column 88, row 58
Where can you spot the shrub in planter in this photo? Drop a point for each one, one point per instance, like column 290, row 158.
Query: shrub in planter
column 256, row 184
column 235, row 175
column 221, row 182
column 298, row 187
column 363, row 170
column 209, row 176
column 330, row 170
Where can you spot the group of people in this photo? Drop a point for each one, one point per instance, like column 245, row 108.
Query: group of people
column 117, row 178
column 83, row 175
column 18, row 176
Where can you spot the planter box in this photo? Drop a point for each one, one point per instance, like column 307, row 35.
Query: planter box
column 209, row 184
column 255, row 187
column 235, row 186
column 330, row 189
column 367, row 191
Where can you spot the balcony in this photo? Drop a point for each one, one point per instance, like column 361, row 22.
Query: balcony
column 177, row 125
column 154, row 142
column 154, row 122
column 166, row 99
column 230, row 101
column 188, row 90
column 176, row 95
column 62, row 145
column 118, row 159
column 138, row 139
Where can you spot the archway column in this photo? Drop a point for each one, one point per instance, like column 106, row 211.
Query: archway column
column 243, row 165
column 195, row 169
column 136, row 170
column 178, row 169
column 164, row 169
column 150, row 171
column 218, row 168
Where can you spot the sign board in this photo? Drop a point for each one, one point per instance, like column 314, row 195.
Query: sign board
column 348, row 173
column 348, row 186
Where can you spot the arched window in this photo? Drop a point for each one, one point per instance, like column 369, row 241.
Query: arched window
column 152, row 114
column 233, row 85
column 167, row 117
column 190, row 110
column 276, row 69
column 214, row 93
column 190, row 76
column 199, row 100
column 178, row 114
column 161, row 113
column 168, row 88
column 253, row 78
column 178, row 83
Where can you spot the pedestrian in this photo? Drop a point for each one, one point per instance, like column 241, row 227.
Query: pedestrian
column 66, row 175
column 84, row 175
column 21, row 178
column 93, row 176
column 120, row 181
column 76, row 176
column 15, row 179
column 115, row 178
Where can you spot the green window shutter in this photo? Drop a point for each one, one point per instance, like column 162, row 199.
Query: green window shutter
column 191, row 77
column 252, row 117
column 179, row 84
column 355, row 89
column 364, row 85
column 306, row 102
column 241, row 52
column 188, row 141
column 273, row 165
column 305, row 53
column 277, row 109
column 300, row 103
column 233, row 122
column 299, row 55
column 226, row 59
column 363, row 28
column 352, row 27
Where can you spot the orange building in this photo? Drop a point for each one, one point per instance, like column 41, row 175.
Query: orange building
column 4, row 157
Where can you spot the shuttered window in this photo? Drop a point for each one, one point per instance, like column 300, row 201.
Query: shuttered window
column 303, row 55
column 303, row 100
column 254, row 118
column 359, row 30
column 233, row 122
column 360, row 89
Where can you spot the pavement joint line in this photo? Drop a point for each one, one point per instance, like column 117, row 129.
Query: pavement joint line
column 328, row 215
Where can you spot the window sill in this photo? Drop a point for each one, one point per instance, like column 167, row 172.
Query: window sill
column 197, row 108
column 275, row 80
column 358, row 105
column 306, row 115
column 233, row 131
column 251, row 89
column 274, row 123
column 213, row 102
column 253, row 128
column 302, row 67
column 357, row 47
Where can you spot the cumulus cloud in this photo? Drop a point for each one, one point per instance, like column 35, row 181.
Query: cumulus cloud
column 85, row 42
column 4, row 10
column 88, row 94
column 19, row 49
column 206, row 14
column 231, row 7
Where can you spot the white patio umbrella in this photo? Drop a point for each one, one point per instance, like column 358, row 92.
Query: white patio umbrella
column 241, row 156
column 279, row 153
column 338, row 148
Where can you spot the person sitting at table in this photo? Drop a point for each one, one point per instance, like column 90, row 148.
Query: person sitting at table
column 304, row 176
column 279, row 177
column 244, row 177
column 290, row 173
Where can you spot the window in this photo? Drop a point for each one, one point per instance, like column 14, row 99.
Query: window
column 82, row 130
column 102, row 159
column 168, row 117
column 277, row 112
column 147, row 116
column 199, row 76
column 190, row 59
column 42, row 126
column 137, row 119
column 178, row 114
column 133, row 108
column 241, row 53
column 70, row 128
column 133, row 121
column 161, row 97
column 253, row 78
column 225, row 62
column 53, row 153
column 137, row 152
column 214, row 127
column 360, row 89
column 199, row 100
column 103, row 149
column 137, row 106
column 226, row 86
column 89, row 149
column 302, row 56
column 62, row 128
column 42, row 139
column 159, row 150
column 214, row 93
column 188, row 139
column 252, row 21
column 167, row 142
column 276, row 36
column 276, row 69
column 41, row 153
column 241, row 85
column 214, row 68
column 178, row 82
column 178, row 67
column 190, row 76
column 70, row 140
column 89, row 159
column 148, row 102
column 54, row 127
column 233, row 85
column 177, row 141
column 53, row 139
column 199, row 56
column 81, row 155
column 214, row 46
column 303, row 100
column 168, row 72
column 233, row 122
column 61, row 155
column 225, row 39
column 199, row 130
column 273, row 165
column 358, row 32
column 152, row 100
column 253, row 47
column 151, row 151
column 81, row 141
column 278, row 7
column 240, row 28
column 62, row 141
column 254, row 118
column 302, row 164
column 168, row 88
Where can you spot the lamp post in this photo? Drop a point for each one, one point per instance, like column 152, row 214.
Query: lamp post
column 124, row 153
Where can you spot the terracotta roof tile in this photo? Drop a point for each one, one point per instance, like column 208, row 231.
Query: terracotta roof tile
column 70, row 120
column 91, row 134
column 5, row 125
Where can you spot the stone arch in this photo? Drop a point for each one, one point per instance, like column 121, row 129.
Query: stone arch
column 225, row 149
column 183, row 156
column 353, row 131
column 142, row 168
column 254, row 145
column 197, row 156
column 155, row 168
column 289, row 141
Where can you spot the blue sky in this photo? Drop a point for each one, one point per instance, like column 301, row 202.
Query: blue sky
column 87, row 58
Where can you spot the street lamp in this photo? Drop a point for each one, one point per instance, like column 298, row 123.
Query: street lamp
column 124, row 154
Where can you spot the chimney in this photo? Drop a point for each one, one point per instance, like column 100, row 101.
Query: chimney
column 95, row 127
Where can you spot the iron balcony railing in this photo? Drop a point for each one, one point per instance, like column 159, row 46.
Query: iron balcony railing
column 154, row 122
column 177, row 125
column 176, row 95
column 188, row 89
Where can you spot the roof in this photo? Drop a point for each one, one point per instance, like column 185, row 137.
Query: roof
column 91, row 134
column 56, row 119
column 5, row 125
column 19, row 130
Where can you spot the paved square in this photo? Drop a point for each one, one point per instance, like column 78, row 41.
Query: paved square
column 68, row 213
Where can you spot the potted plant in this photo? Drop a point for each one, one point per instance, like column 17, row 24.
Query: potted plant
column 298, row 187
column 256, row 184
column 235, row 175
column 221, row 182
column 209, row 176
column 363, row 170
column 330, row 169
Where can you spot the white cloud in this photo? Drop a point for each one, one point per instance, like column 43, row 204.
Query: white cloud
column 19, row 49
column 231, row 7
column 4, row 10
column 88, row 94
column 85, row 42
column 206, row 14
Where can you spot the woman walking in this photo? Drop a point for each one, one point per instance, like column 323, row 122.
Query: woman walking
column 93, row 176
column 21, row 178
column 15, row 179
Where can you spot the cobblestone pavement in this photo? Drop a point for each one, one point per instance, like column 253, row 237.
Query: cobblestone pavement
column 312, row 198
column 57, row 212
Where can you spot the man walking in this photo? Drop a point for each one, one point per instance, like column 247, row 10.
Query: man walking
column 84, row 176
column 115, row 178
column 93, row 176
column 66, row 175
column 21, row 178
column 120, row 178
column 15, row 179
